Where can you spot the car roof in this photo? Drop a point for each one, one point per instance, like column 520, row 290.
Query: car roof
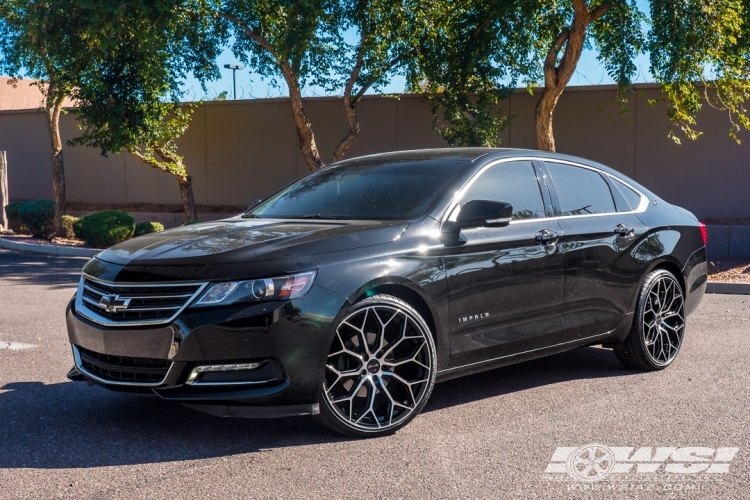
column 481, row 156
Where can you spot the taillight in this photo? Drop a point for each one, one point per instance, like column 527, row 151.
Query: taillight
column 704, row 233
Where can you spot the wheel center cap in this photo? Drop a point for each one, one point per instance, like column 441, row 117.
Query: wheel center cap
column 373, row 366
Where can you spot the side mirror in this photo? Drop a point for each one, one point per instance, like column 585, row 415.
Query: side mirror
column 477, row 213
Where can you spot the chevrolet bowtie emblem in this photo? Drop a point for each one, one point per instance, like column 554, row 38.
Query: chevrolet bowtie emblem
column 113, row 303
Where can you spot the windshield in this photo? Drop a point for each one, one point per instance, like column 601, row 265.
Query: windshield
column 364, row 190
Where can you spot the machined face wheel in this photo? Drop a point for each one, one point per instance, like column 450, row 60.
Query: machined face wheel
column 663, row 320
column 380, row 368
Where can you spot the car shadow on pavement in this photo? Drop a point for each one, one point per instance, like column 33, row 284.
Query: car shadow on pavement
column 577, row 364
column 71, row 425
column 35, row 269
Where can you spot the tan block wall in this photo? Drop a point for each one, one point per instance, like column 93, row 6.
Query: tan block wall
column 238, row 151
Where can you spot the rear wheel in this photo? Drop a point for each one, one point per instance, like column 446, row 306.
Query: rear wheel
column 659, row 324
column 380, row 369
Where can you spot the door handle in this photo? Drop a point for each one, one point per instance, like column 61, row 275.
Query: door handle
column 624, row 231
column 547, row 237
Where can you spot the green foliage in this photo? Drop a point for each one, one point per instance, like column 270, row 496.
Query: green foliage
column 472, row 53
column 77, row 227
column 191, row 222
column 474, row 50
column 304, row 43
column 33, row 44
column 700, row 53
column 14, row 220
column 69, row 224
column 38, row 217
column 128, row 93
column 104, row 229
column 147, row 228
column 470, row 56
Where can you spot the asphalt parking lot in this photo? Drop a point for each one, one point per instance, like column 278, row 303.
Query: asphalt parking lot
column 491, row 435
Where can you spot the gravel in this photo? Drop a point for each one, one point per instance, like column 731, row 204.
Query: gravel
column 25, row 238
column 729, row 271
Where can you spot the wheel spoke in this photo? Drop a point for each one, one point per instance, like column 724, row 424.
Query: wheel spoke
column 341, row 375
column 663, row 320
column 393, row 388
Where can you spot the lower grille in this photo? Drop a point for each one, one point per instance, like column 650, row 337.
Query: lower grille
column 123, row 369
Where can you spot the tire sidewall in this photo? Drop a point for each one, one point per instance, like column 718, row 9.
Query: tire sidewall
column 330, row 415
column 645, row 290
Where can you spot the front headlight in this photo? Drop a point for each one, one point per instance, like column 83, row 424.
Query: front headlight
column 260, row 290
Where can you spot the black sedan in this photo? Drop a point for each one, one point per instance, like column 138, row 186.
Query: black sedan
column 349, row 293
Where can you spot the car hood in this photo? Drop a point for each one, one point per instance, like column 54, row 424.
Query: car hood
column 238, row 241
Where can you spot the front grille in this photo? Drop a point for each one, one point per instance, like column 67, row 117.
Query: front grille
column 123, row 368
column 129, row 303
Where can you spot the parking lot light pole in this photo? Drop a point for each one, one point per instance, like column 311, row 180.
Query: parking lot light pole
column 234, row 68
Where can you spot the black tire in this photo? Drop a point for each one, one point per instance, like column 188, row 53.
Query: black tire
column 658, row 328
column 395, row 367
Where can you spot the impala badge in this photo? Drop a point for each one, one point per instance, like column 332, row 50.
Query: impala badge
column 474, row 317
column 113, row 303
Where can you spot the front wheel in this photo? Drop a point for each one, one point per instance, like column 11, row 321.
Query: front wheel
column 380, row 369
column 658, row 326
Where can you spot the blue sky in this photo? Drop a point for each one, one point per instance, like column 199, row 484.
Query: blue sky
column 250, row 85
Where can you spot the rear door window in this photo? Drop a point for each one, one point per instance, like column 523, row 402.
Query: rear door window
column 580, row 191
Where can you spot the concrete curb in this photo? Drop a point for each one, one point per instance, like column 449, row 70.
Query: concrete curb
column 728, row 288
column 48, row 249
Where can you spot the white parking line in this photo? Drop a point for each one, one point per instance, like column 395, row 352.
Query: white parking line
column 15, row 346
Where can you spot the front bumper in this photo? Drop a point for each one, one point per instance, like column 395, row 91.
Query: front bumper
column 288, row 341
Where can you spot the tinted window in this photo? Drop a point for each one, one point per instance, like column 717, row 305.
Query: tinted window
column 580, row 191
column 631, row 197
column 364, row 190
column 512, row 182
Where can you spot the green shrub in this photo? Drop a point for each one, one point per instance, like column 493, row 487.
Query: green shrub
column 104, row 229
column 69, row 223
column 39, row 217
column 191, row 222
column 14, row 220
column 147, row 228
column 77, row 227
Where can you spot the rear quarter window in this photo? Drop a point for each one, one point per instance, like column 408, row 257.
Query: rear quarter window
column 632, row 198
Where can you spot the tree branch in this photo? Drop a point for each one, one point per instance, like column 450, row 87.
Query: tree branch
column 392, row 63
column 479, row 29
column 357, row 68
column 151, row 162
column 250, row 33
column 599, row 12
column 550, row 62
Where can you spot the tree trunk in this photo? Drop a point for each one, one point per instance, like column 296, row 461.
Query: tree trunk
column 557, row 75
column 188, row 201
column 185, row 181
column 351, row 136
column 307, row 144
column 545, row 108
column 58, row 166
column 3, row 190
